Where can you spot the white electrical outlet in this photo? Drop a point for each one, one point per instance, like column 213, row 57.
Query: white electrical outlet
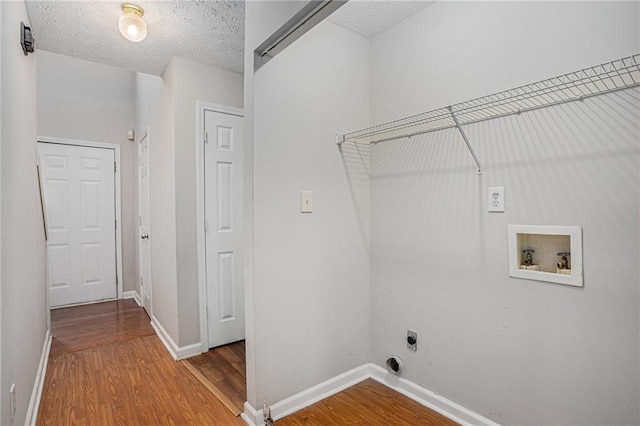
column 496, row 199
column 306, row 202
column 12, row 395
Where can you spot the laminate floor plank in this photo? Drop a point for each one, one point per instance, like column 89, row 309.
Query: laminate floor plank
column 133, row 382
column 107, row 367
column 223, row 371
column 82, row 327
column 366, row 403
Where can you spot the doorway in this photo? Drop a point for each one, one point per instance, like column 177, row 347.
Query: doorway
column 144, row 245
column 221, row 214
column 81, row 195
column 222, row 365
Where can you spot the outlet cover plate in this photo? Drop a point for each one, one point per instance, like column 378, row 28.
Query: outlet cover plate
column 496, row 199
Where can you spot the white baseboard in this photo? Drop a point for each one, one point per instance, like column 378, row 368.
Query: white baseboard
column 318, row 392
column 38, row 385
column 307, row 397
column 251, row 416
column 189, row 351
column 178, row 353
column 168, row 342
column 132, row 295
column 423, row 396
column 73, row 305
column 428, row 398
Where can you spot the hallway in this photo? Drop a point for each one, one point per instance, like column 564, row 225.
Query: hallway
column 107, row 366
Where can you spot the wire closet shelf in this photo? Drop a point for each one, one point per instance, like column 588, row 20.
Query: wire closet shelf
column 608, row 77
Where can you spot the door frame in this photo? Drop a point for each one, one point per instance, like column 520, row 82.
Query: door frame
column 118, row 212
column 201, row 107
column 145, row 134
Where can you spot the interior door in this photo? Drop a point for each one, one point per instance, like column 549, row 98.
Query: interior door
column 144, row 245
column 79, row 192
column 223, row 227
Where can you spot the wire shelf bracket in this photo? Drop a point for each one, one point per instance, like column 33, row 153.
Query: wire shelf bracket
column 466, row 140
column 597, row 80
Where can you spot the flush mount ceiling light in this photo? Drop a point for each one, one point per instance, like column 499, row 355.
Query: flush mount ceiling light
column 131, row 25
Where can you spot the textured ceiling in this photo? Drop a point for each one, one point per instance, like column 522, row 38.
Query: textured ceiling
column 207, row 31
column 372, row 17
column 210, row 32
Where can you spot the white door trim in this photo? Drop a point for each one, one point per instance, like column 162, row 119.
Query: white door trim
column 116, row 148
column 201, row 107
column 145, row 134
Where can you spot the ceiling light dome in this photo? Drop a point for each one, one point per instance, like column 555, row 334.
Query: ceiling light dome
column 131, row 25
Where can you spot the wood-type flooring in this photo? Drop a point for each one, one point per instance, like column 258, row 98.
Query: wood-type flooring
column 367, row 403
column 87, row 326
column 128, row 378
column 223, row 371
column 107, row 367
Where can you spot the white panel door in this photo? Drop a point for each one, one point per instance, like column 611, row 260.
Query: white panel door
column 79, row 192
column 223, row 215
column 143, row 223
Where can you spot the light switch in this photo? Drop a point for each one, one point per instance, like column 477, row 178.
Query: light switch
column 496, row 199
column 306, row 202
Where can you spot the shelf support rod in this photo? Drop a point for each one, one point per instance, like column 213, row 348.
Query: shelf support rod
column 464, row 136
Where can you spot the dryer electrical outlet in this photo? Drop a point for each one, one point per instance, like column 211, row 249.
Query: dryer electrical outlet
column 412, row 340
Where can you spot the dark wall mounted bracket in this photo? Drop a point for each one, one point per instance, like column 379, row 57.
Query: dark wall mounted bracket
column 26, row 39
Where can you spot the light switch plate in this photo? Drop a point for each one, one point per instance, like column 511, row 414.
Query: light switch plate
column 496, row 199
column 306, row 202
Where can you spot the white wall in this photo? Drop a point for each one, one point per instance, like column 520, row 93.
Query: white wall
column 2, row 395
column 167, row 106
column 84, row 100
column 193, row 82
column 162, row 235
column 490, row 47
column 516, row 351
column 311, row 271
column 262, row 18
column 23, row 291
